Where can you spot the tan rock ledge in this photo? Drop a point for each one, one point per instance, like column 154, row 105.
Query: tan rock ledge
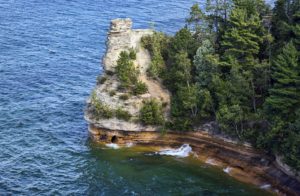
column 241, row 162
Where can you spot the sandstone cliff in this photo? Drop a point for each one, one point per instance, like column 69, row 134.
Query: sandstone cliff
column 122, row 37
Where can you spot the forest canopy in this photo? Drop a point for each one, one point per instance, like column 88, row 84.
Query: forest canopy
column 236, row 62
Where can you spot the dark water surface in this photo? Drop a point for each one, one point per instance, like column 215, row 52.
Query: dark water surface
column 50, row 54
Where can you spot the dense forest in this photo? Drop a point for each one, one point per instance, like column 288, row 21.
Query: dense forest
column 236, row 62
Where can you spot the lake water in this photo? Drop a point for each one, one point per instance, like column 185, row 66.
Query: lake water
column 50, row 55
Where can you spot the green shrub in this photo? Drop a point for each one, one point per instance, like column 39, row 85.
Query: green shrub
column 156, row 67
column 126, row 71
column 132, row 54
column 151, row 113
column 101, row 79
column 122, row 114
column 128, row 74
column 140, row 88
column 155, row 44
column 100, row 110
column 124, row 97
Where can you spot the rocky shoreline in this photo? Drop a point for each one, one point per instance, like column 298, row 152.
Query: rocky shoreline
column 238, row 160
column 241, row 162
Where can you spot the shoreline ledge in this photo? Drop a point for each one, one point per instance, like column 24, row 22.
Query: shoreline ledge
column 246, row 164
column 238, row 160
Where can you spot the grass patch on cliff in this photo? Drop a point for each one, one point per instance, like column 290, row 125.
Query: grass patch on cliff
column 140, row 88
column 100, row 110
column 122, row 114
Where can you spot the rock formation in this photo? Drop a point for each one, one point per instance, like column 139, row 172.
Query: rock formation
column 122, row 37
column 245, row 163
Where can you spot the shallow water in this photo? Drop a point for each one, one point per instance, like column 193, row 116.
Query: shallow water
column 50, row 54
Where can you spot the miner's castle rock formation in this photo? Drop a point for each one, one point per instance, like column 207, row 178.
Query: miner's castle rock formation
column 122, row 37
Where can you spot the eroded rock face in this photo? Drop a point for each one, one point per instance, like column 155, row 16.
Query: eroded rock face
column 122, row 37
column 241, row 162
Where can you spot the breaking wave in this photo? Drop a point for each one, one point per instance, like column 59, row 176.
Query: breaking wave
column 227, row 169
column 182, row 151
column 113, row 146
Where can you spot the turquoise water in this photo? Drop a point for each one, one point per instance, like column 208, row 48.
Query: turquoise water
column 50, row 55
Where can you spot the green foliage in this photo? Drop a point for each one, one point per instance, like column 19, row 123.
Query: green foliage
column 243, row 37
column 284, row 97
column 132, row 54
column 151, row 113
column 188, row 98
column 183, row 41
column 285, row 23
column 126, row 71
column 291, row 144
column 206, row 64
column 122, row 114
column 155, row 44
column 196, row 18
column 230, row 118
column 226, row 66
column 283, row 106
column 128, row 74
column 180, row 72
column 140, row 88
column 100, row 110
column 238, row 89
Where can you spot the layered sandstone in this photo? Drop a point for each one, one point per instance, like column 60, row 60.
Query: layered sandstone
column 241, row 162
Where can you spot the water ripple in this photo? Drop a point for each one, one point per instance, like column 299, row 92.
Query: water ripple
column 50, row 55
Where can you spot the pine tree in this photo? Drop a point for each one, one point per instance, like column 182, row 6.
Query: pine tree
column 205, row 62
column 285, row 94
column 197, row 18
column 243, row 37
column 285, row 23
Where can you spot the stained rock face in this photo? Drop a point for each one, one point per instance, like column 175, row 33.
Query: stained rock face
column 122, row 37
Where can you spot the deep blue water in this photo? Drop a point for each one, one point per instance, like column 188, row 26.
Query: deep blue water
column 50, row 56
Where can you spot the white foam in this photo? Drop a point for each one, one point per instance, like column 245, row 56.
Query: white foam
column 112, row 145
column 211, row 162
column 130, row 144
column 227, row 170
column 182, row 151
column 265, row 186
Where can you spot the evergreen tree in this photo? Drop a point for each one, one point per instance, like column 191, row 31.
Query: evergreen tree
column 243, row 37
column 206, row 63
column 196, row 18
column 217, row 12
column 285, row 94
column 285, row 23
